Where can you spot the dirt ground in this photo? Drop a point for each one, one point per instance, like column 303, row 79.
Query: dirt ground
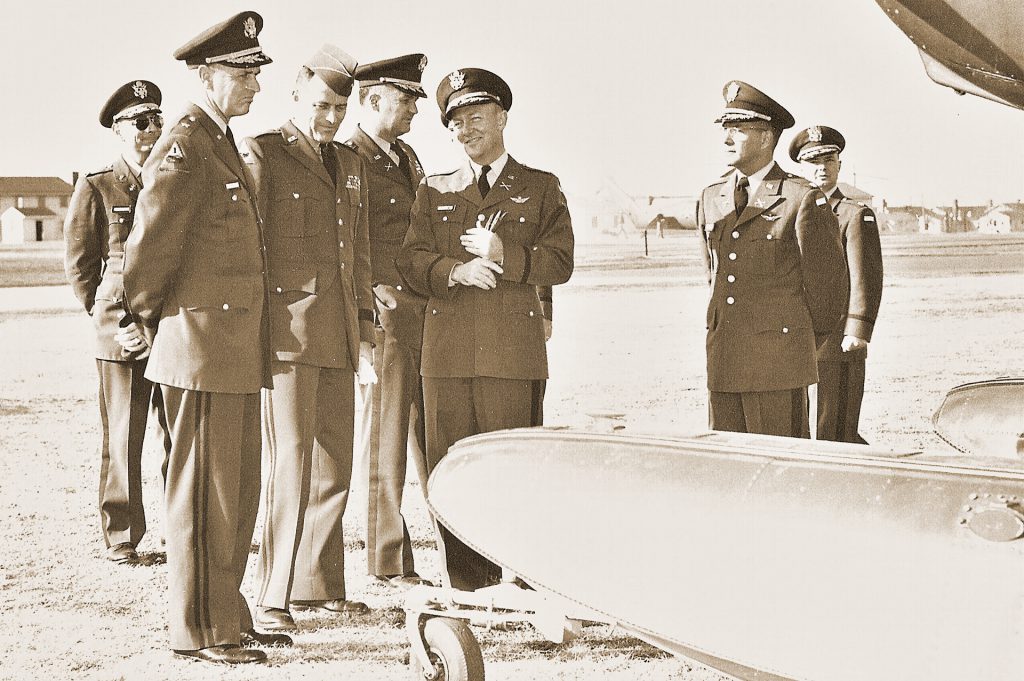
column 629, row 336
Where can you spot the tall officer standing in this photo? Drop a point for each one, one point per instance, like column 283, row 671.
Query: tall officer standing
column 482, row 239
column 841, row 358
column 195, row 279
column 312, row 194
column 777, row 274
column 97, row 224
column 393, row 408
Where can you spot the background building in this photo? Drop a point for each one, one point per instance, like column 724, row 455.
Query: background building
column 33, row 208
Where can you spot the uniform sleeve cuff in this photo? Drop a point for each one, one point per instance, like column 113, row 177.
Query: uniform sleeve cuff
column 859, row 328
column 517, row 264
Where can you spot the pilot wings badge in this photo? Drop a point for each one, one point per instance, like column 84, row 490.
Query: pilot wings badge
column 771, row 217
column 520, row 199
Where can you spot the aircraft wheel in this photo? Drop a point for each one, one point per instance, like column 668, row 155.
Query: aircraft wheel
column 453, row 650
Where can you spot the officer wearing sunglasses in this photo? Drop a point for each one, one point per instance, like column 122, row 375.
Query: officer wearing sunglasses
column 97, row 224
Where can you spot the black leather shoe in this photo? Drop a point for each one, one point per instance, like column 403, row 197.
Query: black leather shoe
column 405, row 581
column 338, row 606
column 224, row 654
column 274, row 619
column 122, row 553
column 257, row 638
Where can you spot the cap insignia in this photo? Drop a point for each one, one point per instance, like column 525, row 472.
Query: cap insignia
column 423, row 63
column 139, row 88
column 249, row 26
column 814, row 134
column 457, row 79
column 733, row 92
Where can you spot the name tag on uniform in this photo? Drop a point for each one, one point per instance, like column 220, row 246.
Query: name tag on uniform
column 446, row 207
column 232, row 185
column 820, row 201
column 122, row 209
column 869, row 218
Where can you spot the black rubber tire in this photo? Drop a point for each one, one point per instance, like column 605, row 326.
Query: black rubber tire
column 453, row 649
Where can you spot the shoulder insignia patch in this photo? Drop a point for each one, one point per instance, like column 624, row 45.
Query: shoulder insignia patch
column 175, row 152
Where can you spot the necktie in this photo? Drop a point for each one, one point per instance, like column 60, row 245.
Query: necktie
column 231, row 137
column 741, row 194
column 482, row 183
column 403, row 161
column 327, row 155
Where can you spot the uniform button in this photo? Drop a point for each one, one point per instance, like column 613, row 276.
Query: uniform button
column 730, row 300
column 732, row 256
column 444, row 219
column 342, row 265
column 433, row 311
column 295, row 195
column 121, row 220
column 735, row 235
column 392, row 200
column 731, row 278
column 399, row 287
column 769, row 237
column 480, row 217
column 339, row 200
column 341, row 244
column 522, row 219
column 226, row 306
column 234, row 197
column 360, row 204
column 785, row 329
column 279, row 289
column 531, row 313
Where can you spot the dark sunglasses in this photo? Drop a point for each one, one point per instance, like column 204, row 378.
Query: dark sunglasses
column 142, row 122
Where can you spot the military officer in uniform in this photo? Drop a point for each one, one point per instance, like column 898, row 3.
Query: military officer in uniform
column 842, row 356
column 777, row 274
column 196, row 284
column 393, row 407
column 97, row 224
column 313, row 199
column 481, row 240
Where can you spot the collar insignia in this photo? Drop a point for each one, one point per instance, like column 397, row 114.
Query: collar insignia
column 506, row 187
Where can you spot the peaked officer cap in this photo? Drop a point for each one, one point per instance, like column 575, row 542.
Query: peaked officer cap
column 405, row 73
column 130, row 100
column 471, row 86
column 744, row 102
column 816, row 141
column 335, row 67
column 232, row 43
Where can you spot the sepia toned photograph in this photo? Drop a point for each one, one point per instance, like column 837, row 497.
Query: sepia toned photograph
column 517, row 341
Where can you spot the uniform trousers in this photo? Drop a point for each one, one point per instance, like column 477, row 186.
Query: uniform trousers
column 840, row 392
column 308, row 419
column 212, row 496
column 392, row 433
column 457, row 408
column 125, row 397
column 771, row 412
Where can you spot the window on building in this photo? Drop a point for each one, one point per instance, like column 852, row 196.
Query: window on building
column 64, row 202
column 21, row 202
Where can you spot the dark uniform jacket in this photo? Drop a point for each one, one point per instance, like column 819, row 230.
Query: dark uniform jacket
column 391, row 196
column 98, row 221
column 858, row 230
column 194, row 267
column 316, row 233
column 469, row 331
column 778, row 279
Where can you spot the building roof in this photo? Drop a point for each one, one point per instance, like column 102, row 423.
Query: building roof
column 34, row 211
column 34, row 186
column 1014, row 210
column 851, row 192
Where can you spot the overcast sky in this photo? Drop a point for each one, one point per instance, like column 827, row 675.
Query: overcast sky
column 626, row 90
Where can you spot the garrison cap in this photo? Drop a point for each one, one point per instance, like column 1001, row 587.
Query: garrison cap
column 816, row 141
column 744, row 102
column 335, row 67
column 130, row 100
column 405, row 73
column 232, row 43
column 471, row 86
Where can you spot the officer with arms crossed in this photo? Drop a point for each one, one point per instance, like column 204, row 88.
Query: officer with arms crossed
column 842, row 356
column 392, row 429
column 195, row 279
column 482, row 239
column 313, row 200
column 97, row 224
column 777, row 274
